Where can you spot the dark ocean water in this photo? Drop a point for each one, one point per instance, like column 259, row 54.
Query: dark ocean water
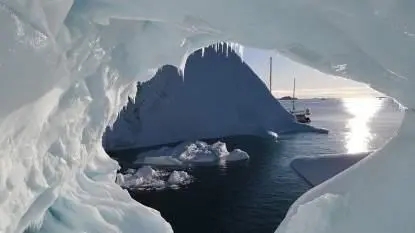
column 254, row 196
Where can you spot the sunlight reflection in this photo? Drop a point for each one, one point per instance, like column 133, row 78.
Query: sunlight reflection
column 359, row 134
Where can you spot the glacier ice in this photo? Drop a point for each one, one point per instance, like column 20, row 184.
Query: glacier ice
column 67, row 67
column 218, row 95
column 191, row 153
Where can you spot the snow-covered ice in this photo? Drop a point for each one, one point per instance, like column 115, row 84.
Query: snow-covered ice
column 144, row 178
column 178, row 177
column 147, row 178
column 191, row 153
column 68, row 66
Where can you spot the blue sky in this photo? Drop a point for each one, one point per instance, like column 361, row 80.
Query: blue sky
column 309, row 82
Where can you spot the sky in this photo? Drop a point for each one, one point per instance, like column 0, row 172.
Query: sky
column 310, row 83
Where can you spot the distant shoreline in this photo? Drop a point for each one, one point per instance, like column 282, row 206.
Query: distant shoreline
column 329, row 98
column 288, row 98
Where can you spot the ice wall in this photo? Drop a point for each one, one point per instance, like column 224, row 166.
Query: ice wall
column 67, row 67
column 216, row 96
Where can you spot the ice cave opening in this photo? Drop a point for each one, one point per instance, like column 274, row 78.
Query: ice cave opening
column 215, row 95
column 67, row 67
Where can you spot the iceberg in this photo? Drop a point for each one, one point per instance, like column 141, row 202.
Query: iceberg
column 237, row 155
column 68, row 66
column 147, row 178
column 178, row 177
column 218, row 95
column 190, row 154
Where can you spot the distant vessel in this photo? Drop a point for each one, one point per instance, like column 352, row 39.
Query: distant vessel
column 302, row 116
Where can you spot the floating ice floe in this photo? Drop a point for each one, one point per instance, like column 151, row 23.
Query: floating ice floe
column 177, row 178
column 191, row 153
column 147, row 178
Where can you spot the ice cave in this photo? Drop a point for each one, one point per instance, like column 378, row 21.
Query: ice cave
column 68, row 66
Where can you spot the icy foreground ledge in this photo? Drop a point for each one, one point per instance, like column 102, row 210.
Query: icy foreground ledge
column 67, row 67
column 217, row 96
column 316, row 170
column 192, row 153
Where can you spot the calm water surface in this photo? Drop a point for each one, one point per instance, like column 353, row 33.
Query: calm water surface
column 254, row 196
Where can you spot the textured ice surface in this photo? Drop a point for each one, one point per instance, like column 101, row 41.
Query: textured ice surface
column 147, row 178
column 217, row 96
column 178, row 177
column 67, row 67
column 191, row 153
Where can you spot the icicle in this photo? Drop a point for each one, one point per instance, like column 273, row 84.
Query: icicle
column 203, row 51
column 241, row 51
column 182, row 65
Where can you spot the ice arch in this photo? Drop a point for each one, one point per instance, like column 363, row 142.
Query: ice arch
column 66, row 68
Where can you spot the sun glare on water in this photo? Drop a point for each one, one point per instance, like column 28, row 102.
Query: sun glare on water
column 359, row 135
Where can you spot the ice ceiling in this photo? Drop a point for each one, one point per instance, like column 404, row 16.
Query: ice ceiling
column 67, row 67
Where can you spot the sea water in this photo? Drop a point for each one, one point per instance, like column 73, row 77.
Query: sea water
column 254, row 196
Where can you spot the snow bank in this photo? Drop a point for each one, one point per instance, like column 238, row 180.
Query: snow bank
column 146, row 178
column 67, row 67
column 217, row 96
column 191, row 153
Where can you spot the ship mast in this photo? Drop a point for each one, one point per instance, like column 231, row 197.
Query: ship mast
column 270, row 74
column 293, row 99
